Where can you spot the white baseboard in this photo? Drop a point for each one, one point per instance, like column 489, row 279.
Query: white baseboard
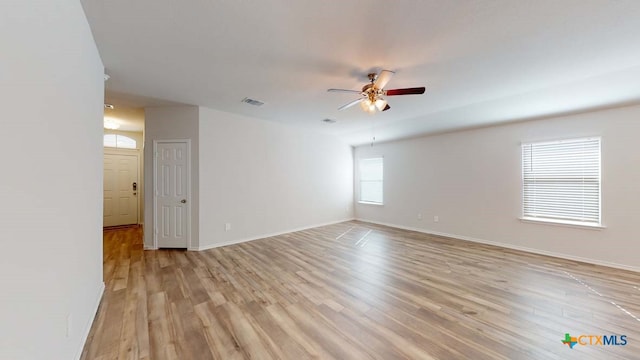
column 510, row 246
column 150, row 247
column 87, row 327
column 258, row 237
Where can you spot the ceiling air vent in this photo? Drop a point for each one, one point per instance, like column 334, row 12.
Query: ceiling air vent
column 252, row 102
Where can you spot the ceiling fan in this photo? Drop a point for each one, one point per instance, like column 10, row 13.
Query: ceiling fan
column 372, row 94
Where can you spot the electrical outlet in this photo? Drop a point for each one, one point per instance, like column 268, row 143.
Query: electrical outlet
column 227, row 226
column 436, row 218
column 419, row 216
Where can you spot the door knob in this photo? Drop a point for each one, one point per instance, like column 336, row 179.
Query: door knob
column 184, row 201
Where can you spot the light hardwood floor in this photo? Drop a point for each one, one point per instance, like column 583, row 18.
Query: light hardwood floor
column 356, row 291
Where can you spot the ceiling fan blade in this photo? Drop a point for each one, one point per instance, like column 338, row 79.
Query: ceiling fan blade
column 348, row 105
column 386, row 108
column 344, row 91
column 383, row 78
column 407, row 91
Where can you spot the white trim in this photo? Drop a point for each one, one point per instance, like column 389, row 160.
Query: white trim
column 562, row 140
column 264, row 236
column 120, row 151
column 573, row 224
column 370, row 203
column 154, row 246
column 87, row 328
column 509, row 246
column 149, row 247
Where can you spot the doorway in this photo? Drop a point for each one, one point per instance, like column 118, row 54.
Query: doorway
column 172, row 193
column 121, row 189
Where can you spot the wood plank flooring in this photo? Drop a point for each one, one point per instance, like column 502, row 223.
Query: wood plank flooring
column 356, row 291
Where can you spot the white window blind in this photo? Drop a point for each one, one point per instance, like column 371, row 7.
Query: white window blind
column 371, row 180
column 561, row 181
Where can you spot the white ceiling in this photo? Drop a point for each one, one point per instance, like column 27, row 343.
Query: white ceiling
column 482, row 62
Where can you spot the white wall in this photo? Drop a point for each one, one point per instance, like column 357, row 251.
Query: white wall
column 51, row 86
column 170, row 123
column 472, row 181
column 264, row 178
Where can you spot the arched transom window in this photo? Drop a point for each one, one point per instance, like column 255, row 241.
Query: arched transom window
column 119, row 141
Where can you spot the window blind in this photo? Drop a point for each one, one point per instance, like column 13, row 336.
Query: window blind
column 371, row 180
column 561, row 181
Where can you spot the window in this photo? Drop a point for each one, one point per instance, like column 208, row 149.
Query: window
column 119, row 141
column 371, row 180
column 561, row 181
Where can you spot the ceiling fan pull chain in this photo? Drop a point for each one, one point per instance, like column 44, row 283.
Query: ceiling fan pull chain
column 373, row 132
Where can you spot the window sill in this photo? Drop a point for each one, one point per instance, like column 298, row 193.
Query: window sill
column 562, row 223
column 370, row 203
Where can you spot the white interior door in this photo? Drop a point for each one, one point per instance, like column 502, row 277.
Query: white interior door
column 120, row 193
column 172, row 207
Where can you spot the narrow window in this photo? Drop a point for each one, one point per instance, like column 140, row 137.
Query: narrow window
column 371, row 180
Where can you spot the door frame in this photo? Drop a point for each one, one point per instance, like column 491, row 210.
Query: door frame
column 155, row 187
column 139, row 196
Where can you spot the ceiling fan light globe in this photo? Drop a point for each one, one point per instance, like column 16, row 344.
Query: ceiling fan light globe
column 380, row 104
column 365, row 104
